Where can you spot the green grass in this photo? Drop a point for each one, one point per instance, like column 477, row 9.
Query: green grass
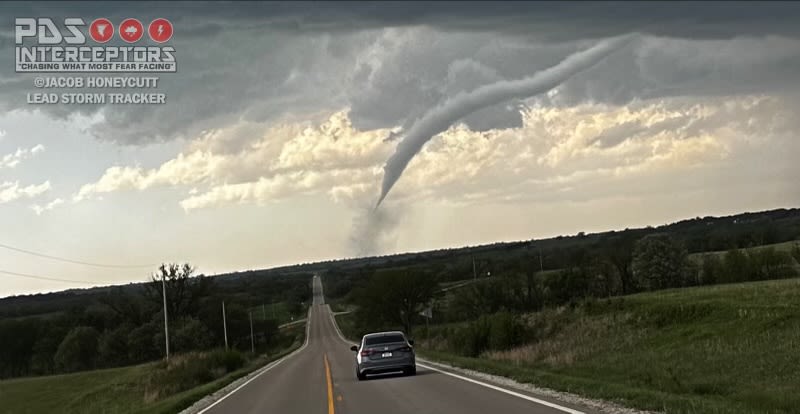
column 781, row 247
column 445, row 285
column 339, row 305
column 278, row 311
column 721, row 349
column 111, row 391
column 347, row 325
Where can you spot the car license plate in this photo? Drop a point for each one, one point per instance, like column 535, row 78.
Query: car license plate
column 386, row 355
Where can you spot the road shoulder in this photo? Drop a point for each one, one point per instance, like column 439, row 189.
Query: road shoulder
column 568, row 400
column 207, row 402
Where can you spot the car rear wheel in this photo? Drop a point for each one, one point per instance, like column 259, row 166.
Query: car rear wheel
column 360, row 376
column 411, row 371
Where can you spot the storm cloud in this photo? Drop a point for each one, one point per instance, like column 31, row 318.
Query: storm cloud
column 385, row 61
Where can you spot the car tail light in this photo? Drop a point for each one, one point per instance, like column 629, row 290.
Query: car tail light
column 405, row 349
column 366, row 352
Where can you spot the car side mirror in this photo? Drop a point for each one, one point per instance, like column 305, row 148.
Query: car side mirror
column 411, row 342
column 354, row 348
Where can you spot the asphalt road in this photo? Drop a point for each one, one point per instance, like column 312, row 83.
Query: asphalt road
column 320, row 378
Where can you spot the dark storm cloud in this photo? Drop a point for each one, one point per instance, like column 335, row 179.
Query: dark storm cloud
column 390, row 61
column 556, row 20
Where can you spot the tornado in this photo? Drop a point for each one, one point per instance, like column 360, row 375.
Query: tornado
column 441, row 117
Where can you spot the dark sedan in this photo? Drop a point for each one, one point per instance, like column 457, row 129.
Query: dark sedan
column 384, row 352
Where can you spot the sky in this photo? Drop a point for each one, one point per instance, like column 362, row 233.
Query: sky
column 280, row 118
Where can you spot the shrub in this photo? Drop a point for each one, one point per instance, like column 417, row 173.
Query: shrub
column 758, row 264
column 736, row 267
column 191, row 335
column 768, row 263
column 78, row 349
column 499, row 331
column 567, row 285
column 143, row 344
column 506, row 331
column 472, row 339
column 113, row 346
column 187, row 371
column 712, row 270
column 661, row 262
column 229, row 360
column 44, row 351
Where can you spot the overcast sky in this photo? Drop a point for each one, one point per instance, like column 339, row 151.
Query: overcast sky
column 270, row 149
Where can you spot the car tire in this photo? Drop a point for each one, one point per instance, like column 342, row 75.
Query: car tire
column 361, row 377
column 411, row 371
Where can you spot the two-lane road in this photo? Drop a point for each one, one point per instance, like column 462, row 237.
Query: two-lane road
column 320, row 378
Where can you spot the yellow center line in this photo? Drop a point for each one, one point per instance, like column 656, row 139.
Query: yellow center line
column 330, row 385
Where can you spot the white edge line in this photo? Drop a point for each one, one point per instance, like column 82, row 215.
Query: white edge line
column 266, row 368
column 481, row 383
column 503, row 390
column 336, row 325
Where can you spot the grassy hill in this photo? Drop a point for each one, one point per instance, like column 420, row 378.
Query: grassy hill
column 154, row 387
column 781, row 247
column 721, row 349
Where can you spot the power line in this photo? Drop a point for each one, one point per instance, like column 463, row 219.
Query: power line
column 62, row 259
column 55, row 279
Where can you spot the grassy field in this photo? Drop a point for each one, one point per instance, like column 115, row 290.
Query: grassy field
column 125, row 390
column 339, row 305
column 781, row 247
column 722, row 349
column 346, row 325
column 278, row 311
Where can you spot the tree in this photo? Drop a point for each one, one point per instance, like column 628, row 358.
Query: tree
column 711, row 269
column 78, row 349
column 113, row 346
column 266, row 328
column 98, row 317
column 144, row 344
column 395, row 298
column 660, row 262
column 129, row 308
column 183, row 291
column 294, row 306
column 566, row 285
column 481, row 298
column 601, row 277
column 530, row 265
column 737, row 267
column 769, row 263
column 620, row 255
column 17, row 339
column 238, row 324
column 50, row 335
column 512, row 291
column 190, row 334
column 796, row 253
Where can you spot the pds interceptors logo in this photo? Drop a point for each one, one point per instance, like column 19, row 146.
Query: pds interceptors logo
column 48, row 45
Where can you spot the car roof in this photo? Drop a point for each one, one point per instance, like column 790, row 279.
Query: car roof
column 372, row 335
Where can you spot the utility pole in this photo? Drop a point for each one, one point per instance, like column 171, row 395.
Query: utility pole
column 224, row 325
column 252, row 341
column 541, row 263
column 428, row 314
column 166, row 328
column 474, row 272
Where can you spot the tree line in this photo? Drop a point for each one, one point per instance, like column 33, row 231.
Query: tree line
column 125, row 325
column 394, row 298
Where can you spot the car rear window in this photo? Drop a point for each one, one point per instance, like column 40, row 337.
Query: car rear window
column 383, row 339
